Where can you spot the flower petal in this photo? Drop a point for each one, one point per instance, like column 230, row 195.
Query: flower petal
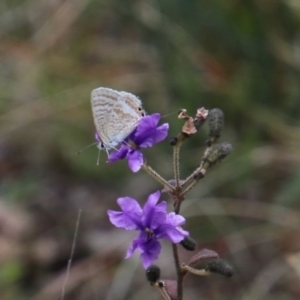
column 135, row 160
column 173, row 234
column 175, row 219
column 118, row 154
column 154, row 136
column 161, row 133
column 151, row 201
column 130, row 205
column 171, row 230
column 135, row 244
column 146, row 131
column 154, row 215
column 147, row 123
column 150, row 252
column 130, row 217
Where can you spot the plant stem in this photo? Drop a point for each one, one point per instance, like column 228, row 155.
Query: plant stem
column 192, row 176
column 176, row 150
column 178, row 271
column 200, row 175
column 157, row 177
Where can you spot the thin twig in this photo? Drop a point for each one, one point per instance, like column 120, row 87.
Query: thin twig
column 71, row 255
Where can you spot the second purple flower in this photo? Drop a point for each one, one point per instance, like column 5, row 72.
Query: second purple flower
column 153, row 221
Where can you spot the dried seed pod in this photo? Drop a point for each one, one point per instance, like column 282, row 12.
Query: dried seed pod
column 189, row 127
column 200, row 117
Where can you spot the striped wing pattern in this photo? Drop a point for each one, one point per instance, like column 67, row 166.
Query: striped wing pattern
column 116, row 114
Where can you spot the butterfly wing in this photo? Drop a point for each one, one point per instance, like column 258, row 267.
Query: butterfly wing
column 124, row 117
column 116, row 114
column 103, row 101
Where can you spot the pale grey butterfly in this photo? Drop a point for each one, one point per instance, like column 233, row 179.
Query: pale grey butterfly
column 116, row 115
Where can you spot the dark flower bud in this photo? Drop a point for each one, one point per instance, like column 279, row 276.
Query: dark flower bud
column 221, row 267
column 173, row 141
column 188, row 243
column 216, row 153
column 153, row 273
column 215, row 122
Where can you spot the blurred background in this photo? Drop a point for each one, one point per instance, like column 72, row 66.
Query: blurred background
column 240, row 56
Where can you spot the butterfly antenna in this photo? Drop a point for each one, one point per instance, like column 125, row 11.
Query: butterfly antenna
column 79, row 152
column 171, row 113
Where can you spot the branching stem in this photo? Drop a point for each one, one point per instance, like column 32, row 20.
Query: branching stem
column 157, row 176
column 197, row 176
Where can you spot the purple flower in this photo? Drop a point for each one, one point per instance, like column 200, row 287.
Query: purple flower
column 144, row 136
column 153, row 221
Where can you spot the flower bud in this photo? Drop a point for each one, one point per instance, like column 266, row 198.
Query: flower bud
column 188, row 243
column 215, row 122
column 153, row 273
column 173, row 141
column 221, row 267
column 216, row 153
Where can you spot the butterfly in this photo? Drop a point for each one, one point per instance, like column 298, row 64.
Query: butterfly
column 116, row 115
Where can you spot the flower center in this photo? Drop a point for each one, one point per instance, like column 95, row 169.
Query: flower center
column 132, row 144
column 150, row 233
